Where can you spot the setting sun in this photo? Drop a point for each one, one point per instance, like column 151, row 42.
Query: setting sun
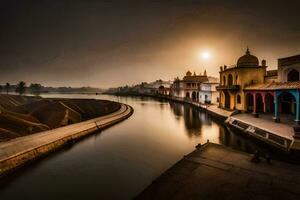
column 205, row 55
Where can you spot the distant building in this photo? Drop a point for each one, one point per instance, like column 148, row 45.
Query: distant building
column 189, row 86
column 208, row 92
column 152, row 88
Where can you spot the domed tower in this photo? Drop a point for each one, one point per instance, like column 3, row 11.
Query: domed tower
column 188, row 73
column 235, row 79
column 247, row 60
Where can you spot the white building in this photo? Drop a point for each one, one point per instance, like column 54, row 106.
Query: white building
column 189, row 86
column 208, row 93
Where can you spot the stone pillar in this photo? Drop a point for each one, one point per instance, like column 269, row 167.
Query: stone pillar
column 263, row 94
column 276, row 95
column 297, row 107
column 254, row 105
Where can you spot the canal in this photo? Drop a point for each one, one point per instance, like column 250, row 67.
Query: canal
column 119, row 162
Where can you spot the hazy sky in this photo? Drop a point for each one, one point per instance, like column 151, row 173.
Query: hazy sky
column 111, row 43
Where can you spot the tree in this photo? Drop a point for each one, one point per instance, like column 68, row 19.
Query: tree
column 35, row 88
column 21, row 87
column 7, row 87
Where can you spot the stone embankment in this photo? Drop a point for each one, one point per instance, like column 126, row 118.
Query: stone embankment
column 214, row 171
column 278, row 135
column 19, row 151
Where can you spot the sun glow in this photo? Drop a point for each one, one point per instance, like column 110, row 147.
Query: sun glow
column 205, row 55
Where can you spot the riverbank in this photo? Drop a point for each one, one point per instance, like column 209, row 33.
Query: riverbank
column 213, row 171
column 19, row 151
column 280, row 136
column 25, row 115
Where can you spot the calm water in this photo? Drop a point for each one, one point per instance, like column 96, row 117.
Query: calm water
column 121, row 161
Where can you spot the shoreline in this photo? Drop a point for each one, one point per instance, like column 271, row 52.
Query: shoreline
column 263, row 134
column 18, row 152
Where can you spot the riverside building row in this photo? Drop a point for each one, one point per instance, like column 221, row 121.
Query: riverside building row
column 249, row 87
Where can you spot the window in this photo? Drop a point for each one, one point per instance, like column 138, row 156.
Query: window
column 293, row 75
column 224, row 80
column 238, row 99
column 230, row 79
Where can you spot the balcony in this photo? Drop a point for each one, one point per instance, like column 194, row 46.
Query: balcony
column 228, row 87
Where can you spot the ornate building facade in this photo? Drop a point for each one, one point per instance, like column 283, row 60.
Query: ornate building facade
column 279, row 97
column 234, row 79
column 189, row 86
column 249, row 87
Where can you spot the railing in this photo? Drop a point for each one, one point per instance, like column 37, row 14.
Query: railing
column 228, row 87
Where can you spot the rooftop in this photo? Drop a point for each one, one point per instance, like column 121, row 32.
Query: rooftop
column 274, row 86
column 289, row 60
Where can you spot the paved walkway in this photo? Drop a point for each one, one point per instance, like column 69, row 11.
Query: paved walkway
column 266, row 123
column 21, row 145
column 217, row 110
column 218, row 172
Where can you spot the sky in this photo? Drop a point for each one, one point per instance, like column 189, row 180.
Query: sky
column 112, row 43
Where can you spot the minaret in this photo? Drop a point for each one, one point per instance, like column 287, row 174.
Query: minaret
column 247, row 51
column 205, row 73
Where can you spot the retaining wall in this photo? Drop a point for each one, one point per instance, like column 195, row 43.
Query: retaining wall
column 19, row 151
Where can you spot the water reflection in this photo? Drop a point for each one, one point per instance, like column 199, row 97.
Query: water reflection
column 121, row 161
column 200, row 124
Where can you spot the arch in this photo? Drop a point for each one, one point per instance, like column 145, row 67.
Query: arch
column 238, row 99
column 293, row 76
column 287, row 103
column 230, row 79
column 269, row 103
column 187, row 95
column 259, row 103
column 249, row 102
column 194, row 96
column 227, row 100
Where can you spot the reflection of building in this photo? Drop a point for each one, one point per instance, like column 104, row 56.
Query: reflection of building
column 189, row 86
column 208, row 92
column 250, row 88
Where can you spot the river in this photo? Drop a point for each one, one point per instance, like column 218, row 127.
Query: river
column 119, row 162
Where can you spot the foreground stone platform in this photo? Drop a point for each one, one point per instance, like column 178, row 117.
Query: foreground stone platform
column 218, row 172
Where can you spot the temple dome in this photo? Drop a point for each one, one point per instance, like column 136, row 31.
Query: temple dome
column 247, row 60
column 188, row 73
